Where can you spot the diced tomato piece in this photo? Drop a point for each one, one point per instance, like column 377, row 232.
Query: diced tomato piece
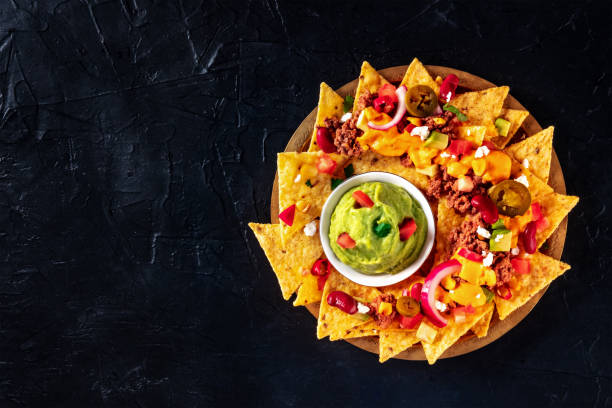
column 448, row 87
column 345, row 241
column 409, row 128
column 542, row 224
column 460, row 146
column 471, row 255
column 520, row 266
column 321, row 281
column 382, row 102
column 388, row 90
column 410, row 322
column 536, row 211
column 320, row 268
column 489, row 145
column 363, row 199
column 325, row 164
column 407, row 228
column 415, row 291
column 287, row 215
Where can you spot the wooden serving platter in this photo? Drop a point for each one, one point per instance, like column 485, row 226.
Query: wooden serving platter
column 299, row 142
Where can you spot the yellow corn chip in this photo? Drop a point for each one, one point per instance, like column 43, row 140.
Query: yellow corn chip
column 447, row 336
column 309, row 291
column 481, row 107
column 417, row 74
column 554, row 206
column 544, row 270
column 481, row 328
column 289, row 263
column 369, row 80
column 372, row 161
column 294, row 170
column 537, row 150
column 332, row 321
column 393, row 342
column 448, row 219
column 330, row 106
column 368, row 329
column 516, row 117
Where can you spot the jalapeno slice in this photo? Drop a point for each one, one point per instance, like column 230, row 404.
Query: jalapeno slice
column 511, row 198
column 421, row 101
column 407, row 306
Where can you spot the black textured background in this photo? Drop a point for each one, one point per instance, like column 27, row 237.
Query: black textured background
column 138, row 138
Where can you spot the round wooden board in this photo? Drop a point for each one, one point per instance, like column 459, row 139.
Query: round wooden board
column 299, row 142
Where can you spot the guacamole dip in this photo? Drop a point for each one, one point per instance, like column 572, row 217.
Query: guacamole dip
column 377, row 247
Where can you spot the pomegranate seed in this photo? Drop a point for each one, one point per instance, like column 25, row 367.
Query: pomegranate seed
column 342, row 301
column 529, row 237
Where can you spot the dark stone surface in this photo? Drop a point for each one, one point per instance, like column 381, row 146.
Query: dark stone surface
column 137, row 140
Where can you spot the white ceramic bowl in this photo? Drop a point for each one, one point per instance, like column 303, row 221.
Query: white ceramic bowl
column 353, row 274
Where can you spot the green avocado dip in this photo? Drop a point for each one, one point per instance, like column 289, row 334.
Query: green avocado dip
column 377, row 248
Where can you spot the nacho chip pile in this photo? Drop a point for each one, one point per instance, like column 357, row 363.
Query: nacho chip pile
column 476, row 154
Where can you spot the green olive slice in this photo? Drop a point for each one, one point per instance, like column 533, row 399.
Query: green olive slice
column 421, row 101
column 407, row 306
column 511, row 198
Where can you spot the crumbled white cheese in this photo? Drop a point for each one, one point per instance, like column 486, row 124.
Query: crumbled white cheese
column 482, row 151
column 361, row 308
column 488, row 259
column 522, row 180
column 483, row 232
column 499, row 237
column 483, row 253
column 441, row 306
column 444, row 155
column 526, row 163
column 421, row 131
column 310, row 229
column 346, row 117
column 453, row 156
column 449, row 95
column 514, row 251
column 297, row 178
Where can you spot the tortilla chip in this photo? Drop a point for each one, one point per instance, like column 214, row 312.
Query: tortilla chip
column 544, row 270
column 393, row 342
column 537, row 150
column 364, row 330
column 481, row 328
column 369, row 79
column 475, row 134
column 447, row 220
column 332, row 321
column 554, row 206
column 372, row 161
column 417, row 74
column 481, row 107
column 309, row 199
column 516, row 117
column 330, row 105
column 289, row 263
column 308, row 292
column 447, row 336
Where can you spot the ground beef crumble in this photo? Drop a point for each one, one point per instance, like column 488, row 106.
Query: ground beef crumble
column 345, row 137
column 449, row 127
column 445, row 184
column 383, row 321
column 465, row 236
column 405, row 160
